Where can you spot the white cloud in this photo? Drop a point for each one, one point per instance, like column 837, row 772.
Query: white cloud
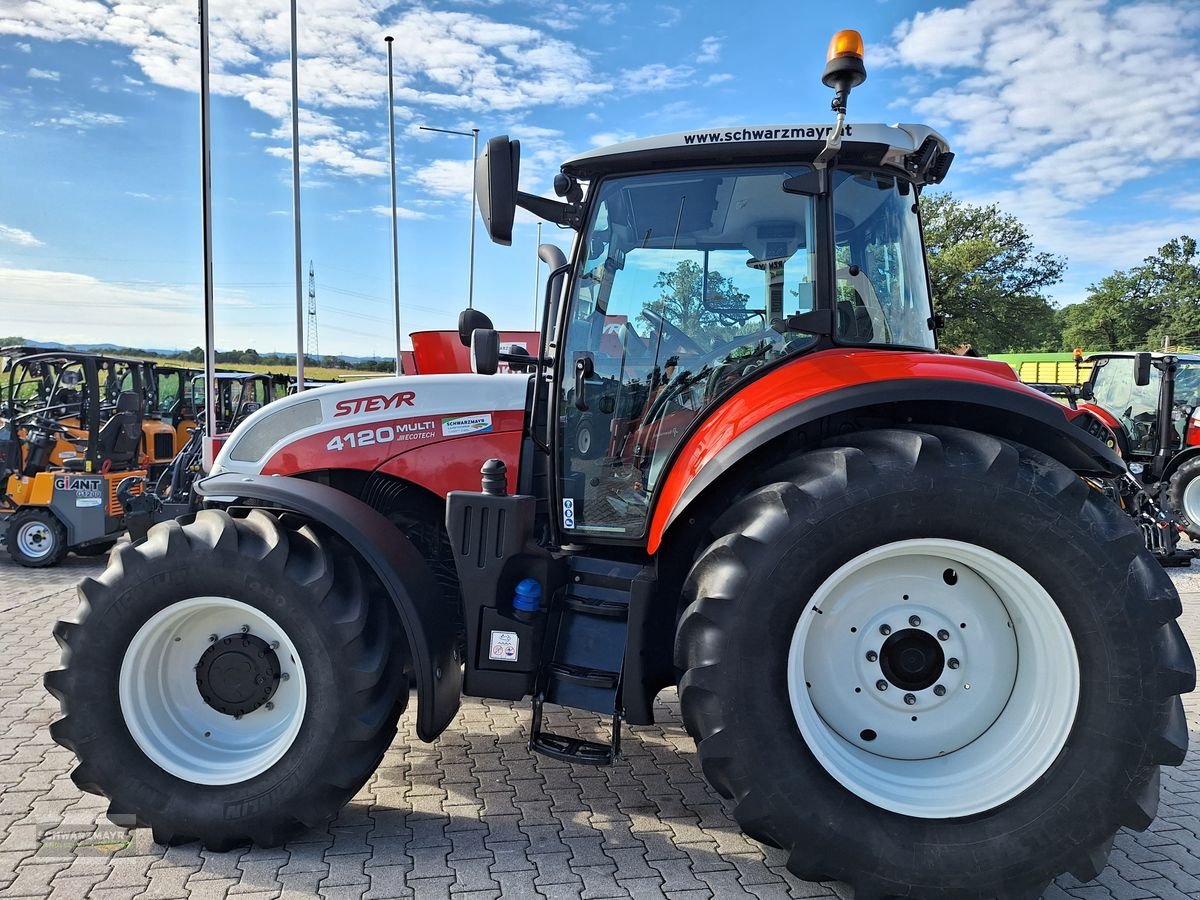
column 669, row 15
column 1062, row 91
column 401, row 212
column 23, row 47
column 657, row 77
column 74, row 308
column 19, row 236
column 43, row 74
column 454, row 61
column 604, row 138
column 718, row 78
column 84, row 119
column 445, row 178
column 710, row 50
column 1064, row 99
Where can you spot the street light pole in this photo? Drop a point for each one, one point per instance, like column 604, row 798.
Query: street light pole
column 395, row 234
column 474, row 135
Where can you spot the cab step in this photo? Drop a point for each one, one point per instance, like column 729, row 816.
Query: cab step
column 584, row 655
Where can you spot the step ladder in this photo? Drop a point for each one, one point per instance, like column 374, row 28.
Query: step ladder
column 583, row 657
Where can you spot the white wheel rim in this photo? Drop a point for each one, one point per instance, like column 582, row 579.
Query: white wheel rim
column 584, row 440
column 170, row 720
column 1006, row 710
column 1191, row 500
column 35, row 540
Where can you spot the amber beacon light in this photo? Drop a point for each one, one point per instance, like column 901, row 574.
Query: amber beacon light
column 844, row 69
column 845, row 43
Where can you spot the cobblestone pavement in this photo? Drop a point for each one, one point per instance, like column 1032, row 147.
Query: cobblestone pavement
column 474, row 815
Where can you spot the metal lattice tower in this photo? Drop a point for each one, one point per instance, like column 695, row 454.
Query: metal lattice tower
column 310, row 345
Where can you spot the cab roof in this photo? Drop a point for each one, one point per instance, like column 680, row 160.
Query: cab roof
column 871, row 143
column 1127, row 354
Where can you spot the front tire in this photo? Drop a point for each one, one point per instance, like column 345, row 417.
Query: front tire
column 1183, row 496
column 854, row 744
column 230, row 680
column 36, row 539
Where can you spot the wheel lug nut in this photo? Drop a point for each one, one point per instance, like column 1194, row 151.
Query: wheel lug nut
column 914, row 621
column 953, row 663
column 940, row 690
column 212, row 638
column 872, row 656
column 943, row 635
column 270, row 706
column 284, row 676
column 245, row 629
column 885, row 630
column 910, row 699
column 881, row 685
column 274, row 645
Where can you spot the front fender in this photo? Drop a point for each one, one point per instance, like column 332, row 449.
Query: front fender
column 432, row 638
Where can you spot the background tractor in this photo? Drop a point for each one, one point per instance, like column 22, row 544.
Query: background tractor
column 915, row 647
column 1151, row 402
column 72, row 430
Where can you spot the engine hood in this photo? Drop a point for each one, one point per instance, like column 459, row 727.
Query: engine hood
column 431, row 407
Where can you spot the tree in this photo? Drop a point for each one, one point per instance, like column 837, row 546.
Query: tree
column 1151, row 305
column 683, row 304
column 987, row 278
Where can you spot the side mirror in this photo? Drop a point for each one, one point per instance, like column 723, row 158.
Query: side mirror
column 1085, row 391
column 485, row 351
column 496, row 175
column 468, row 321
column 1141, row 369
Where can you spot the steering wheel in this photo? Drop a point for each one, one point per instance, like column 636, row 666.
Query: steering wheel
column 673, row 334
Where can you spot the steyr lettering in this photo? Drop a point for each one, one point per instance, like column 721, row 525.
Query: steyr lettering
column 374, row 403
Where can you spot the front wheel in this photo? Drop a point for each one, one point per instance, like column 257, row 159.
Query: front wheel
column 1183, row 495
column 36, row 539
column 229, row 680
column 968, row 668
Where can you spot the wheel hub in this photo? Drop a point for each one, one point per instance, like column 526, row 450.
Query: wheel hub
column 238, row 674
column 912, row 660
column 34, row 539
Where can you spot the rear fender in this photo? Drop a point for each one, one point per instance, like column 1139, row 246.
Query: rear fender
column 397, row 563
column 1185, row 455
column 1017, row 414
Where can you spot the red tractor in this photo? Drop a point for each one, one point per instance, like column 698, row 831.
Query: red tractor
column 916, row 648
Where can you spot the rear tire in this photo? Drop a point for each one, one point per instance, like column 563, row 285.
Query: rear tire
column 36, row 539
column 828, row 547
column 253, row 736
column 1183, row 496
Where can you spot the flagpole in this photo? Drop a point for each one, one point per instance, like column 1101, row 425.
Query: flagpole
column 296, row 206
column 210, row 354
column 395, row 233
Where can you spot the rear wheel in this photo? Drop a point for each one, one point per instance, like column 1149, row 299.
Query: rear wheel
column 969, row 667
column 36, row 539
column 1183, row 495
column 229, row 680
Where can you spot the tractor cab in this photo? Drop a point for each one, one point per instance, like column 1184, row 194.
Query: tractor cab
column 1169, row 385
column 238, row 394
column 704, row 260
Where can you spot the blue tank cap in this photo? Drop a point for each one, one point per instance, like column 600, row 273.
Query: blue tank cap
column 528, row 597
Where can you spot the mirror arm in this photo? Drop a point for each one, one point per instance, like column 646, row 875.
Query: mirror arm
column 570, row 214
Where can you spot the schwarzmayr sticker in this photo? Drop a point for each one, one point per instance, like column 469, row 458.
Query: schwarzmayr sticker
column 477, row 424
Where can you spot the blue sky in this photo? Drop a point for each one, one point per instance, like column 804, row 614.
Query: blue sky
column 1080, row 116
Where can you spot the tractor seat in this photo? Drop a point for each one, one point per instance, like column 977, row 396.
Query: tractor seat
column 121, row 435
